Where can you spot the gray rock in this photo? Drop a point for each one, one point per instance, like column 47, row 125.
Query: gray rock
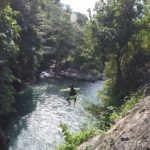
column 130, row 133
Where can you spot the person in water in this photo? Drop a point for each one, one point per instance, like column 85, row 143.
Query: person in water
column 72, row 95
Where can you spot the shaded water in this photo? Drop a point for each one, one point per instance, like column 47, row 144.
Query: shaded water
column 41, row 109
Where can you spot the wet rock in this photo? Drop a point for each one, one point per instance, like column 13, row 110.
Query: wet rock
column 130, row 133
column 81, row 76
column 74, row 74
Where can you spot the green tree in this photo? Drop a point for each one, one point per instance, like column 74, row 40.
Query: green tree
column 116, row 27
column 119, row 35
column 28, row 58
column 9, row 31
column 61, row 37
column 113, row 28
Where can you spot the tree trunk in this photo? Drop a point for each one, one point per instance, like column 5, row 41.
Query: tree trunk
column 118, row 71
column 57, row 64
column 56, row 67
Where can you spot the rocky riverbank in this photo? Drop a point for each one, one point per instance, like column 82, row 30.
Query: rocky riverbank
column 73, row 74
column 130, row 133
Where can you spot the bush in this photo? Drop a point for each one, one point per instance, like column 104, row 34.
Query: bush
column 111, row 94
column 7, row 91
column 128, row 105
column 107, row 114
column 75, row 139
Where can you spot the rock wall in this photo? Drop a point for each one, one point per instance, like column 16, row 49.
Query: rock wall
column 130, row 133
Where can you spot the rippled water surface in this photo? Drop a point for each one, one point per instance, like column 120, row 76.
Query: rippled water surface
column 41, row 109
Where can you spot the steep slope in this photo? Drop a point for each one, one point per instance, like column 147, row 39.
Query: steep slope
column 130, row 133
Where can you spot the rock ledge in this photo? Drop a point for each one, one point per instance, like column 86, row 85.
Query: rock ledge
column 130, row 133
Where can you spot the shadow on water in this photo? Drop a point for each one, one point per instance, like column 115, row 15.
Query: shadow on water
column 24, row 105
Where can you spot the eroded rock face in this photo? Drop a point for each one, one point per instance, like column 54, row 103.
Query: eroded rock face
column 130, row 133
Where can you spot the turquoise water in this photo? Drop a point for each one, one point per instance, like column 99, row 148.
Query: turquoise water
column 41, row 109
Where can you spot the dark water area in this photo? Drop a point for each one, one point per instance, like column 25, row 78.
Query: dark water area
column 42, row 107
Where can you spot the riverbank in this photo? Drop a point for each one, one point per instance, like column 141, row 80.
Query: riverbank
column 73, row 74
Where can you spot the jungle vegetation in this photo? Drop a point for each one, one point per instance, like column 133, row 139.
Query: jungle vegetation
column 38, row 35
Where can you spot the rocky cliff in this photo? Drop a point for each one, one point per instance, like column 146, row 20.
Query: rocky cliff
column 130, row 133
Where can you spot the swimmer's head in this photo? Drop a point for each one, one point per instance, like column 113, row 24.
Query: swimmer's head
column 71, row 85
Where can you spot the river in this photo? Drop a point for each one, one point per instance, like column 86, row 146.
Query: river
column 42, row 107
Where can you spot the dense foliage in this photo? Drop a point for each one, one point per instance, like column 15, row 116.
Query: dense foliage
column 118, row 35
column 37, row 35
column 9, row 31
column 75, row 139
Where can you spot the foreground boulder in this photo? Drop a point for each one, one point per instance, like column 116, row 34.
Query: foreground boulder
column 130, row 133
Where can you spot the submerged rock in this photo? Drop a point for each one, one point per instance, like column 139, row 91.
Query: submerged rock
column 130, row 133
